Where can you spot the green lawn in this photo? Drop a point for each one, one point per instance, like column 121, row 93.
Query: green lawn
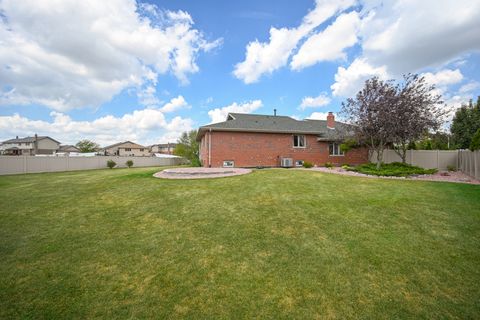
column 272, row 244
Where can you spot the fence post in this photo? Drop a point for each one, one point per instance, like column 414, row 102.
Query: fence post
column 475, row 164
column 24, row 164
column 438, row 160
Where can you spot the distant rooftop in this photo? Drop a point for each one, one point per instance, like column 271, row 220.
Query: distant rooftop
column 28, row 139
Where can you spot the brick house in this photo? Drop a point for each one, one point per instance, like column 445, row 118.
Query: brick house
column 248, row 140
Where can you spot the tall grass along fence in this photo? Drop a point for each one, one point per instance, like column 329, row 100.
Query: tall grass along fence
column 32, row 164
column 469, row 162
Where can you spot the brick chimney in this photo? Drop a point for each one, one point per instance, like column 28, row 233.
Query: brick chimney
column 331, row 121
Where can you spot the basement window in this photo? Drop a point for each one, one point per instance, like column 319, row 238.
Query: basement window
column 299, row 141
column 334, row 149
column 228, row 163
column 299, row 163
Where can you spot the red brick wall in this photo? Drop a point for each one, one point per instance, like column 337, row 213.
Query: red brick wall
column 251, row 149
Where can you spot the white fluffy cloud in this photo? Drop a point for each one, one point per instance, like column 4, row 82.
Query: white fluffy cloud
column 266, row 57
column 71, row 54
column 220, row 114
column 409, row 36
column 348, row 81
column 444, row 77
column 318, row 116
column 469, row 87
column 175, row 104
column 146, row 126
column 329, row 44
column 313, row 102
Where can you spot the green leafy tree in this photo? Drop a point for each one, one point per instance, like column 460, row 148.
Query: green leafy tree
column 436, row 141
column 129, row 163
column 87, row 146
column 475, row 144
column 465, row 124
column 187, row 147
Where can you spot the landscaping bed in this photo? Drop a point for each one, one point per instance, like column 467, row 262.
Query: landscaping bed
column 395, row 169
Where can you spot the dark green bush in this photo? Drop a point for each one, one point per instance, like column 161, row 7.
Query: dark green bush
column 129, row 163
column 394, row 169
column 111, row 164
column 307, row 164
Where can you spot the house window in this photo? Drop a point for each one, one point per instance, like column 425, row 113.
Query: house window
column 299, row 163
column 334, row 149
column 299, row 141
column 228, row 164
column 141, row 150
column 128, row 149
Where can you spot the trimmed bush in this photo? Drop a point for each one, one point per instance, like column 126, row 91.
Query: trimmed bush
column 307, row 164
column 328, row 165
column 129, row 163
column 394, row 169
column 111, row 164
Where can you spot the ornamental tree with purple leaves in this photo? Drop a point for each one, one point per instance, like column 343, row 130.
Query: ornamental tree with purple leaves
column 387, row 114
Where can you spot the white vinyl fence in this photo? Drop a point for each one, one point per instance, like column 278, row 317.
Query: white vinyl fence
column 429, row 159
column 32, row 164
column 469, row 162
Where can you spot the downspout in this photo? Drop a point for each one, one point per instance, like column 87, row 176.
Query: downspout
column 210, row 148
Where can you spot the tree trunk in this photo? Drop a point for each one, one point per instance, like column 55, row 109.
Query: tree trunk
column 379, row 157
column 401, row 150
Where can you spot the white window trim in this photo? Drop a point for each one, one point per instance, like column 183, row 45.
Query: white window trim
column 304, row 141
column 335, row 155
column 232, row 166
column 299, row 165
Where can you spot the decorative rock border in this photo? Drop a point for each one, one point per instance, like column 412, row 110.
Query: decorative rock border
column 200, row 173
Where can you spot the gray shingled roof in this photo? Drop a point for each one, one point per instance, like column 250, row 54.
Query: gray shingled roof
column 28, row 139
column 278, row 124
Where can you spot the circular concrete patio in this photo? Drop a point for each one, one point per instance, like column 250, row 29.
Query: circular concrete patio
column 200, row 173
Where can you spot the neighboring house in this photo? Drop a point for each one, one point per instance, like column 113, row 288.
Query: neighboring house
column 166, row 148
column 30, row 146
column 67, row 149
column 125, row 149
column 248, row 140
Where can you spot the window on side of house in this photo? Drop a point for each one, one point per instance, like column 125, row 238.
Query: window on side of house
column 299, row 163
column 299, row 141
column 141, row 150
column 128, row 149
column 334, row 149
column 228, row 163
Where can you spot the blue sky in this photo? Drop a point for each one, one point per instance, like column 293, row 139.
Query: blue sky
column 146, row 71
